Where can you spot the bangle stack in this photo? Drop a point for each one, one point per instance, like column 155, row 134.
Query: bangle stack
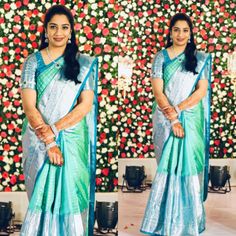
column 174, row 122
column 52, row 144
column 54, row 130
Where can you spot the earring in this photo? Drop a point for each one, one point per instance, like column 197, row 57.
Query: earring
column 171, row 39
column 46, row 38
column 69, row 39
column 189, row 40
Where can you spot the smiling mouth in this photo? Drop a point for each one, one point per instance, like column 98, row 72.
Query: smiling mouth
column 58, row 39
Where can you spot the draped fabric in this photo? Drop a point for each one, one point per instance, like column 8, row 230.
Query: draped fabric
column 61, row 199
column 175, row 205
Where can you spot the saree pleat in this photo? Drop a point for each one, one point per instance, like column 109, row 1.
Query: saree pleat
column 60, row 198
column 175, row 205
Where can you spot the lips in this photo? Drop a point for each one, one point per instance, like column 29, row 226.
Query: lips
column 58, row 39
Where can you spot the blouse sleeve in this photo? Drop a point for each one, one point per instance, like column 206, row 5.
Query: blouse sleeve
column 28, row 73
column 90, row 83
column 157, row 66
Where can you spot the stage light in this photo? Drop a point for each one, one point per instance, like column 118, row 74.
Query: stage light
column 133, row 179
column 107, row 217
column 219, row 176
column 6, row 216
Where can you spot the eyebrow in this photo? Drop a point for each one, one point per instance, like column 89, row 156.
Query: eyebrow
column 57, row 24
column 176, row 27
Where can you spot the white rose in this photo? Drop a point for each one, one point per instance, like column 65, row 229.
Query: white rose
column 114, row 167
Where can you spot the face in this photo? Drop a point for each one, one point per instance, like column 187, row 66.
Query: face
column 180, row 33
column 58, row 31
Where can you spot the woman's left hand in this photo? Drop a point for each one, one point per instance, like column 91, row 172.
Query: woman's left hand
column 44, row 132
column 170, row 113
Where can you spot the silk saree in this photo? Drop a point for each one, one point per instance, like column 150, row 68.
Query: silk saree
column 175, row 205
column 61, row 199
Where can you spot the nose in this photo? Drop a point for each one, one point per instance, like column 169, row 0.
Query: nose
column 181, row 33
column 58, row 31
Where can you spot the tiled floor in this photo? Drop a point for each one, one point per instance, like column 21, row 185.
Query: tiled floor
column 220, row 210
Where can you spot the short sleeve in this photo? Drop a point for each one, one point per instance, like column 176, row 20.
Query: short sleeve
column 90, row 83
column 157, row 66
column 28, row 75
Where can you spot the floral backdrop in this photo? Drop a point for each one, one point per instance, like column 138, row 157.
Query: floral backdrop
column 143, row 26
column 21, row 25
column 106, row 29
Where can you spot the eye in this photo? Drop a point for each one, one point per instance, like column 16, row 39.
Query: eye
column 65, row 27
column 52, row 27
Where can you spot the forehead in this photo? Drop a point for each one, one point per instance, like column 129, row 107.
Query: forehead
column 181, row 24
column 59, row 20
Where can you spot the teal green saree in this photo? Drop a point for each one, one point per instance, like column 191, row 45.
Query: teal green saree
column 61, row 199
column 175, row 205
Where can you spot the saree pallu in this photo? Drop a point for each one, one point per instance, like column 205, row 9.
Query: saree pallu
column 61, row 199
column 175, row 205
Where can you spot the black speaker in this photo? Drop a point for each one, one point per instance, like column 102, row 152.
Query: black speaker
column 106, row 215
column 134, row 175
column 219, row 176
column 5, row 215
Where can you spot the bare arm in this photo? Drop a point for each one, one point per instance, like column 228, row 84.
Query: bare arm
column 161, row 99
column 29, row 105
column 84, row 105
column 36, row 121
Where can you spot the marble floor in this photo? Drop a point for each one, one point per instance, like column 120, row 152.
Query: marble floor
column 220, row 211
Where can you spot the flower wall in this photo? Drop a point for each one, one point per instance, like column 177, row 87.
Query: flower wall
column 106, row 29
column 143, row 26
column 21, row 25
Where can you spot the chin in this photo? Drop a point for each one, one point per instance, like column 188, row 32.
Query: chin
column 59, row 44
column 181, row 43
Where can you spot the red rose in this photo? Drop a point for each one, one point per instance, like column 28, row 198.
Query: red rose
column 21, row 177
column 98, row 181
column 115, row 182
column 105, row 31
column 105, row 171
column 110, row 14
column 5, row 175
column 16, row 158
column 7, row 189
column 123, row 155
column 13, row 179
column 6, row 147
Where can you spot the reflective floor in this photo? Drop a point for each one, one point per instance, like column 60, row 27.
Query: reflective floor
column 220, row 210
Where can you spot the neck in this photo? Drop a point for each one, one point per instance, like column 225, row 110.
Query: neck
column 56, row 51
column 178, row 49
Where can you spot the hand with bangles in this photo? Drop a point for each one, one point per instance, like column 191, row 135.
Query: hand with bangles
column 44, row 132
column 177, row 128
column 55, row 156
column 169, row 112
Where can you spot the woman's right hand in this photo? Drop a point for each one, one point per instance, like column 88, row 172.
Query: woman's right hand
column 55, row 156
column 178, row 130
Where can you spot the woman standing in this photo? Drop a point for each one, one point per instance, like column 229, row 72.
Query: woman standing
column 59, row 89
column 181, row 114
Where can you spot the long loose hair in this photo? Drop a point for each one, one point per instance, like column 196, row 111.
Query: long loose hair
column 190, row 50
column 72, row 67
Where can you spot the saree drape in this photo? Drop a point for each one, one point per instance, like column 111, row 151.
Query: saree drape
column 175, row 205
column 61, row 199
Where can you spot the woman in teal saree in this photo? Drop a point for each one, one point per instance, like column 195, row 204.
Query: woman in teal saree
column 59, row 89
column 181, row 114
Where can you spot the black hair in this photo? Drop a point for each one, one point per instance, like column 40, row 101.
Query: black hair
column 190, row 50
column 72, row 67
